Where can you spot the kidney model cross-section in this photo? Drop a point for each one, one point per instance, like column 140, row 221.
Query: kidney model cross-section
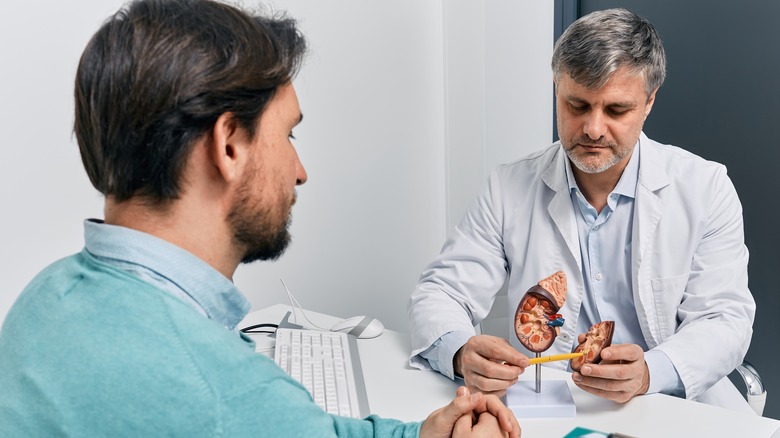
column 537, row 321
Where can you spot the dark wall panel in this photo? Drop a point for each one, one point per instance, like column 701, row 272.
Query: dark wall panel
column 721, row 100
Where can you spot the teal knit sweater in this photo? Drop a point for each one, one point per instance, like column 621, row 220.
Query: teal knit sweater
column 89, row 350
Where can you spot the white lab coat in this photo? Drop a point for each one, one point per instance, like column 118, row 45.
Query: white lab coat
column 689, row 261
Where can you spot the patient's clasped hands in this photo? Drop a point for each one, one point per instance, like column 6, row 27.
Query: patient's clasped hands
column 471, row 415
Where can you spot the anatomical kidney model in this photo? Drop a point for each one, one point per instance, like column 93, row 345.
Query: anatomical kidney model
column 537, row 322
column 598, row 338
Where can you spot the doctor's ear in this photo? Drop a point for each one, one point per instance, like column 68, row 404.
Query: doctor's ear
column 650, row 102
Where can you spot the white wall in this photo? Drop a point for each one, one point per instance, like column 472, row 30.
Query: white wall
column 407, row 105
column 498, row 108
column 498, row 102
column 44, row 191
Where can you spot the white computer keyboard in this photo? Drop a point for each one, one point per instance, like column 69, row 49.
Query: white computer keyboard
column 328, row 365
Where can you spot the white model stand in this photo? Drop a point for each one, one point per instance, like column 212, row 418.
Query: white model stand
column 527, row 399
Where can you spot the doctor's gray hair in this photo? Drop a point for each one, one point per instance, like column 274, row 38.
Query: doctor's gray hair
column 598, row 44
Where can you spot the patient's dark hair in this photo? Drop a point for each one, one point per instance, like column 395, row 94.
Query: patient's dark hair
column 157, row 75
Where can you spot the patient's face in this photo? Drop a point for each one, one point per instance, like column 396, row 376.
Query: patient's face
column 599, row 128
column 260, row 215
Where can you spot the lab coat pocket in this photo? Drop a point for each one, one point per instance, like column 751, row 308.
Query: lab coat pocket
column 668, row 294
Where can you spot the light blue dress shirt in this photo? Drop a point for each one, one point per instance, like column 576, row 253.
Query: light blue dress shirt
column 169, row 268
column 605, row 247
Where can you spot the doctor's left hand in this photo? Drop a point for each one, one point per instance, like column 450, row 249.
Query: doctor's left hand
column 621, row 375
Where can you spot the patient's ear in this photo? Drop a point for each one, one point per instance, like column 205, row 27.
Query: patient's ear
column 228, row 149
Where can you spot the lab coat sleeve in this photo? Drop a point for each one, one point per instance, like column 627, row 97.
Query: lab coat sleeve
column 715, row 315
column 457, row 289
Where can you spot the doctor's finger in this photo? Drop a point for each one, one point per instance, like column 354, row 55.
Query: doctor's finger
column 499, row 370
column 624, row 382
column 613, row 371
column 498, row 350
column 471, row 361
column 624, row 352
column 617, row 396
column 488, row 385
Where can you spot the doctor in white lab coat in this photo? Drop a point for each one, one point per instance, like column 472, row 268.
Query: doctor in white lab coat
column 676, row 265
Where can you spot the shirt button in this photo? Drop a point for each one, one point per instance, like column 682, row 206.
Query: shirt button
column 595, row 227
column 598, row 276
column 565, row 337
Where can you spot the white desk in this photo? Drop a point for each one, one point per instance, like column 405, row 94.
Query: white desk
column 395, row 390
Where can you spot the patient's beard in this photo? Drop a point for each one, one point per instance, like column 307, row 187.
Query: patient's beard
column 261, row 230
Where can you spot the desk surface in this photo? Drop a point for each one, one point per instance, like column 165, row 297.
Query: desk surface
column 396, row 390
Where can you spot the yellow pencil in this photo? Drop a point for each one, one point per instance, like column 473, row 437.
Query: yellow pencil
column 555, row 357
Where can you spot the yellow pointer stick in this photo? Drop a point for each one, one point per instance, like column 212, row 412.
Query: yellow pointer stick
column 554, row 357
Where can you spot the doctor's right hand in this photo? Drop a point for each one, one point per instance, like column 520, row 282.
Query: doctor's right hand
column 489, row 364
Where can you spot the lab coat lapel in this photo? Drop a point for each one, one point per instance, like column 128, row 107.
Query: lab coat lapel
column 648, row 211
column 560, row 208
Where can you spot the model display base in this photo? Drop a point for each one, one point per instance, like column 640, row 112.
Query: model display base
column 554, row 400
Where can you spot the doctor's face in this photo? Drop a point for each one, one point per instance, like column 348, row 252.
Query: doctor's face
column 599, row 128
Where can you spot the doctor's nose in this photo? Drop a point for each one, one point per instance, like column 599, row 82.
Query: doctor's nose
column 595, row 126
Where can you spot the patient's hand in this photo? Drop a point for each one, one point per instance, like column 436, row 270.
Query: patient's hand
column 489, row 364
column 621, row 375
column 471, row 415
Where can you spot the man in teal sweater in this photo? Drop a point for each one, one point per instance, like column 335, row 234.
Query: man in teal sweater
column 184, row 118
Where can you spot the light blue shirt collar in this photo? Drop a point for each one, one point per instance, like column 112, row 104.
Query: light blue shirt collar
column 168, row 267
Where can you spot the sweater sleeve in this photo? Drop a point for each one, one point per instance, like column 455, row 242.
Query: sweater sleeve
column 374, row 426
column 280, row 407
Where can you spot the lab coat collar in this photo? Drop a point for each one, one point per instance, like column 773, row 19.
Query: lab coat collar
column 560, row 207
column 555, row 174
column 652, row 171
